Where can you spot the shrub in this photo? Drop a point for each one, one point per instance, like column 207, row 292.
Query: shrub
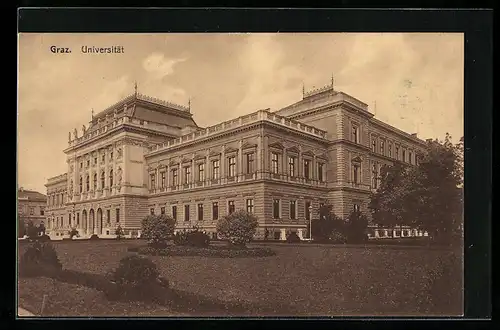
column 293, row 238
column 209, row 251
column 180, row 238
column 32, row 231
column 21, row 227
column 43, row 238
column 194, row 238
column 119, row 232
column 73, row 232
column 238, row 227
column 94, row 237
column 355, row 228
column 337, row 237
column 135, row 271
column 39, row 259
column 325, row 224
column 158, row 229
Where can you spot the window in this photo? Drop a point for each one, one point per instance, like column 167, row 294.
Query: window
column 293, row 210
column 174, row 212
column 152, row 181
column 69, row 219
column 42, row 211
column 32, row 211
column 108, row 216
column 291, row 166
column 175, row 180
column 81, row 165
column 390, row 149
column 274, row 162
column 117, row 215
column 250, row 163
column 95, row 181
column 215, row 210
column 201, row 172
column 187, row 174
column 88, row 162
column 355, row 173
column 232, row 166
column 355, row 134
column 111, row 155
column 416, row 159
column 397, row 152
column 404, row 155
column 356, row 208
column 152, row 211
column 103, row 183
column 95, row 160
column 111, row 178
column 250, row 205
column 374, row 176
column 103, row 158
column 200, row 212
column 374, row 145
column 276, row 208
column 162, row 210
column 215, row 169
column 78, row 218
column 320, row 171
column 307, row 170
column 409, row 158
column 230, row 207
column 163, row 179
column 186, row 212
column 88, row 183
column 307, row 210
column 382, row 147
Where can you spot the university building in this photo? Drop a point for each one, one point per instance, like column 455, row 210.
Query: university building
column 146, row 156
column 31, row 206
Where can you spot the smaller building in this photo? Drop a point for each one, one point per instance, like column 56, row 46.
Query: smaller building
column 31, row 206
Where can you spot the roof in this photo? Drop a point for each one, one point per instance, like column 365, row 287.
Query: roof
column 31, row 195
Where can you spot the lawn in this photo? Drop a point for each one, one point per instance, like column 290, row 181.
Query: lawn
column 300, row 280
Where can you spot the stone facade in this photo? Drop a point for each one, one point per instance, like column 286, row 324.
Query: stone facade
column 31, row 206
column 144, row 155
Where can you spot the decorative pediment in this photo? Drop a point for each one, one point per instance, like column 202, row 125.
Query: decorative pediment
column 276, row 145
column 248, row 145
column 308, row 153
column 322, row 156
column 214, row 154
column 356, row 159
column 230, row 149
column 199, row 156
column 293, row 149
column 173, row 162
column 186, row 159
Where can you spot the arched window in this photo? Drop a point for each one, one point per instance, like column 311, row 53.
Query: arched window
column 87, row 183
column 103, row 175
column 111, row 178
column 95, row 181
column 81, row 184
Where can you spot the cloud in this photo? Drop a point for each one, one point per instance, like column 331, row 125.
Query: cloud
column 159, row 66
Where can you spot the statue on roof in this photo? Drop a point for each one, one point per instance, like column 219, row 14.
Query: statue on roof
column 75, row 133
column 83, row 129
column 69, row 136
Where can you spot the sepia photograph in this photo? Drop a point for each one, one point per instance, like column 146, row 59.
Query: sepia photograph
column 240, row 175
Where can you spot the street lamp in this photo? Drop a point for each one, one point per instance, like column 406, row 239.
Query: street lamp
column 310, row 222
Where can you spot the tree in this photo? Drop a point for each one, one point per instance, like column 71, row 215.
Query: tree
column 119, row 232
column 21, row 227
column 355, row 227
column 238, row 227
column 328, row 222
column 32, row 231
column 158, row 229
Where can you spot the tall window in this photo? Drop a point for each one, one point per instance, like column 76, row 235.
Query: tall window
column 81, row 184
column 88, row 162
column 250, row 205
column 355, row 173
column 201, row 172
column 382, row 147
column 103, row 158
column 374, row 145
column 95, row 181
column 87, row 181
column 320, row 171
column 111, row 178
column 103, row 177
column 276, row 208
column 390, row 149
column 374, row 176
column 117, row 215
column 307, row 170
column 293, row 210
column 215, row 210
column 397, row 152
column 42, row 211
column 175, row 180
column 187, row 174
column 355, row 134
column 250, row 163
column 307, row 210
column 152, row 211
column 274, row 162
column 108, row 216
column 291, row 166
column 186, row 212
column 404, row 155
column 230, row 207
column 409, row 158
column 95, row 160
column 152, row 181
column 163, row 179
column 215, row 169
column 111, row 155
column 356, row 208
column 174, row 212
column 200, row 212
column 32, row 211
column 162, row 210
column 232, row 166
column 69, row 219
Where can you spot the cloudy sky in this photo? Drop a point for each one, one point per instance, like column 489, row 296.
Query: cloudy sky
column 416, row 81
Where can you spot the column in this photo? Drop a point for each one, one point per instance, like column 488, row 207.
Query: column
column 314, row 169
column 265, row 156
column 240, row 161
column 193, row 174
column 299, row 163
column 222, row 165
column 259, row 159
column 167, row 178
column 282, row 234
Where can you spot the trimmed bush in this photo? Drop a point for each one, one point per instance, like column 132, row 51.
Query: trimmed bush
column 158, row 229
column 209, row 252
column 194, row 238
column 119, row 232
column 337, row 237
column 94, row 237
column 73, row 232
column 238, row 227
column 293, row 238
column 32, row 231
column 39, row 259
column 355, row 228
